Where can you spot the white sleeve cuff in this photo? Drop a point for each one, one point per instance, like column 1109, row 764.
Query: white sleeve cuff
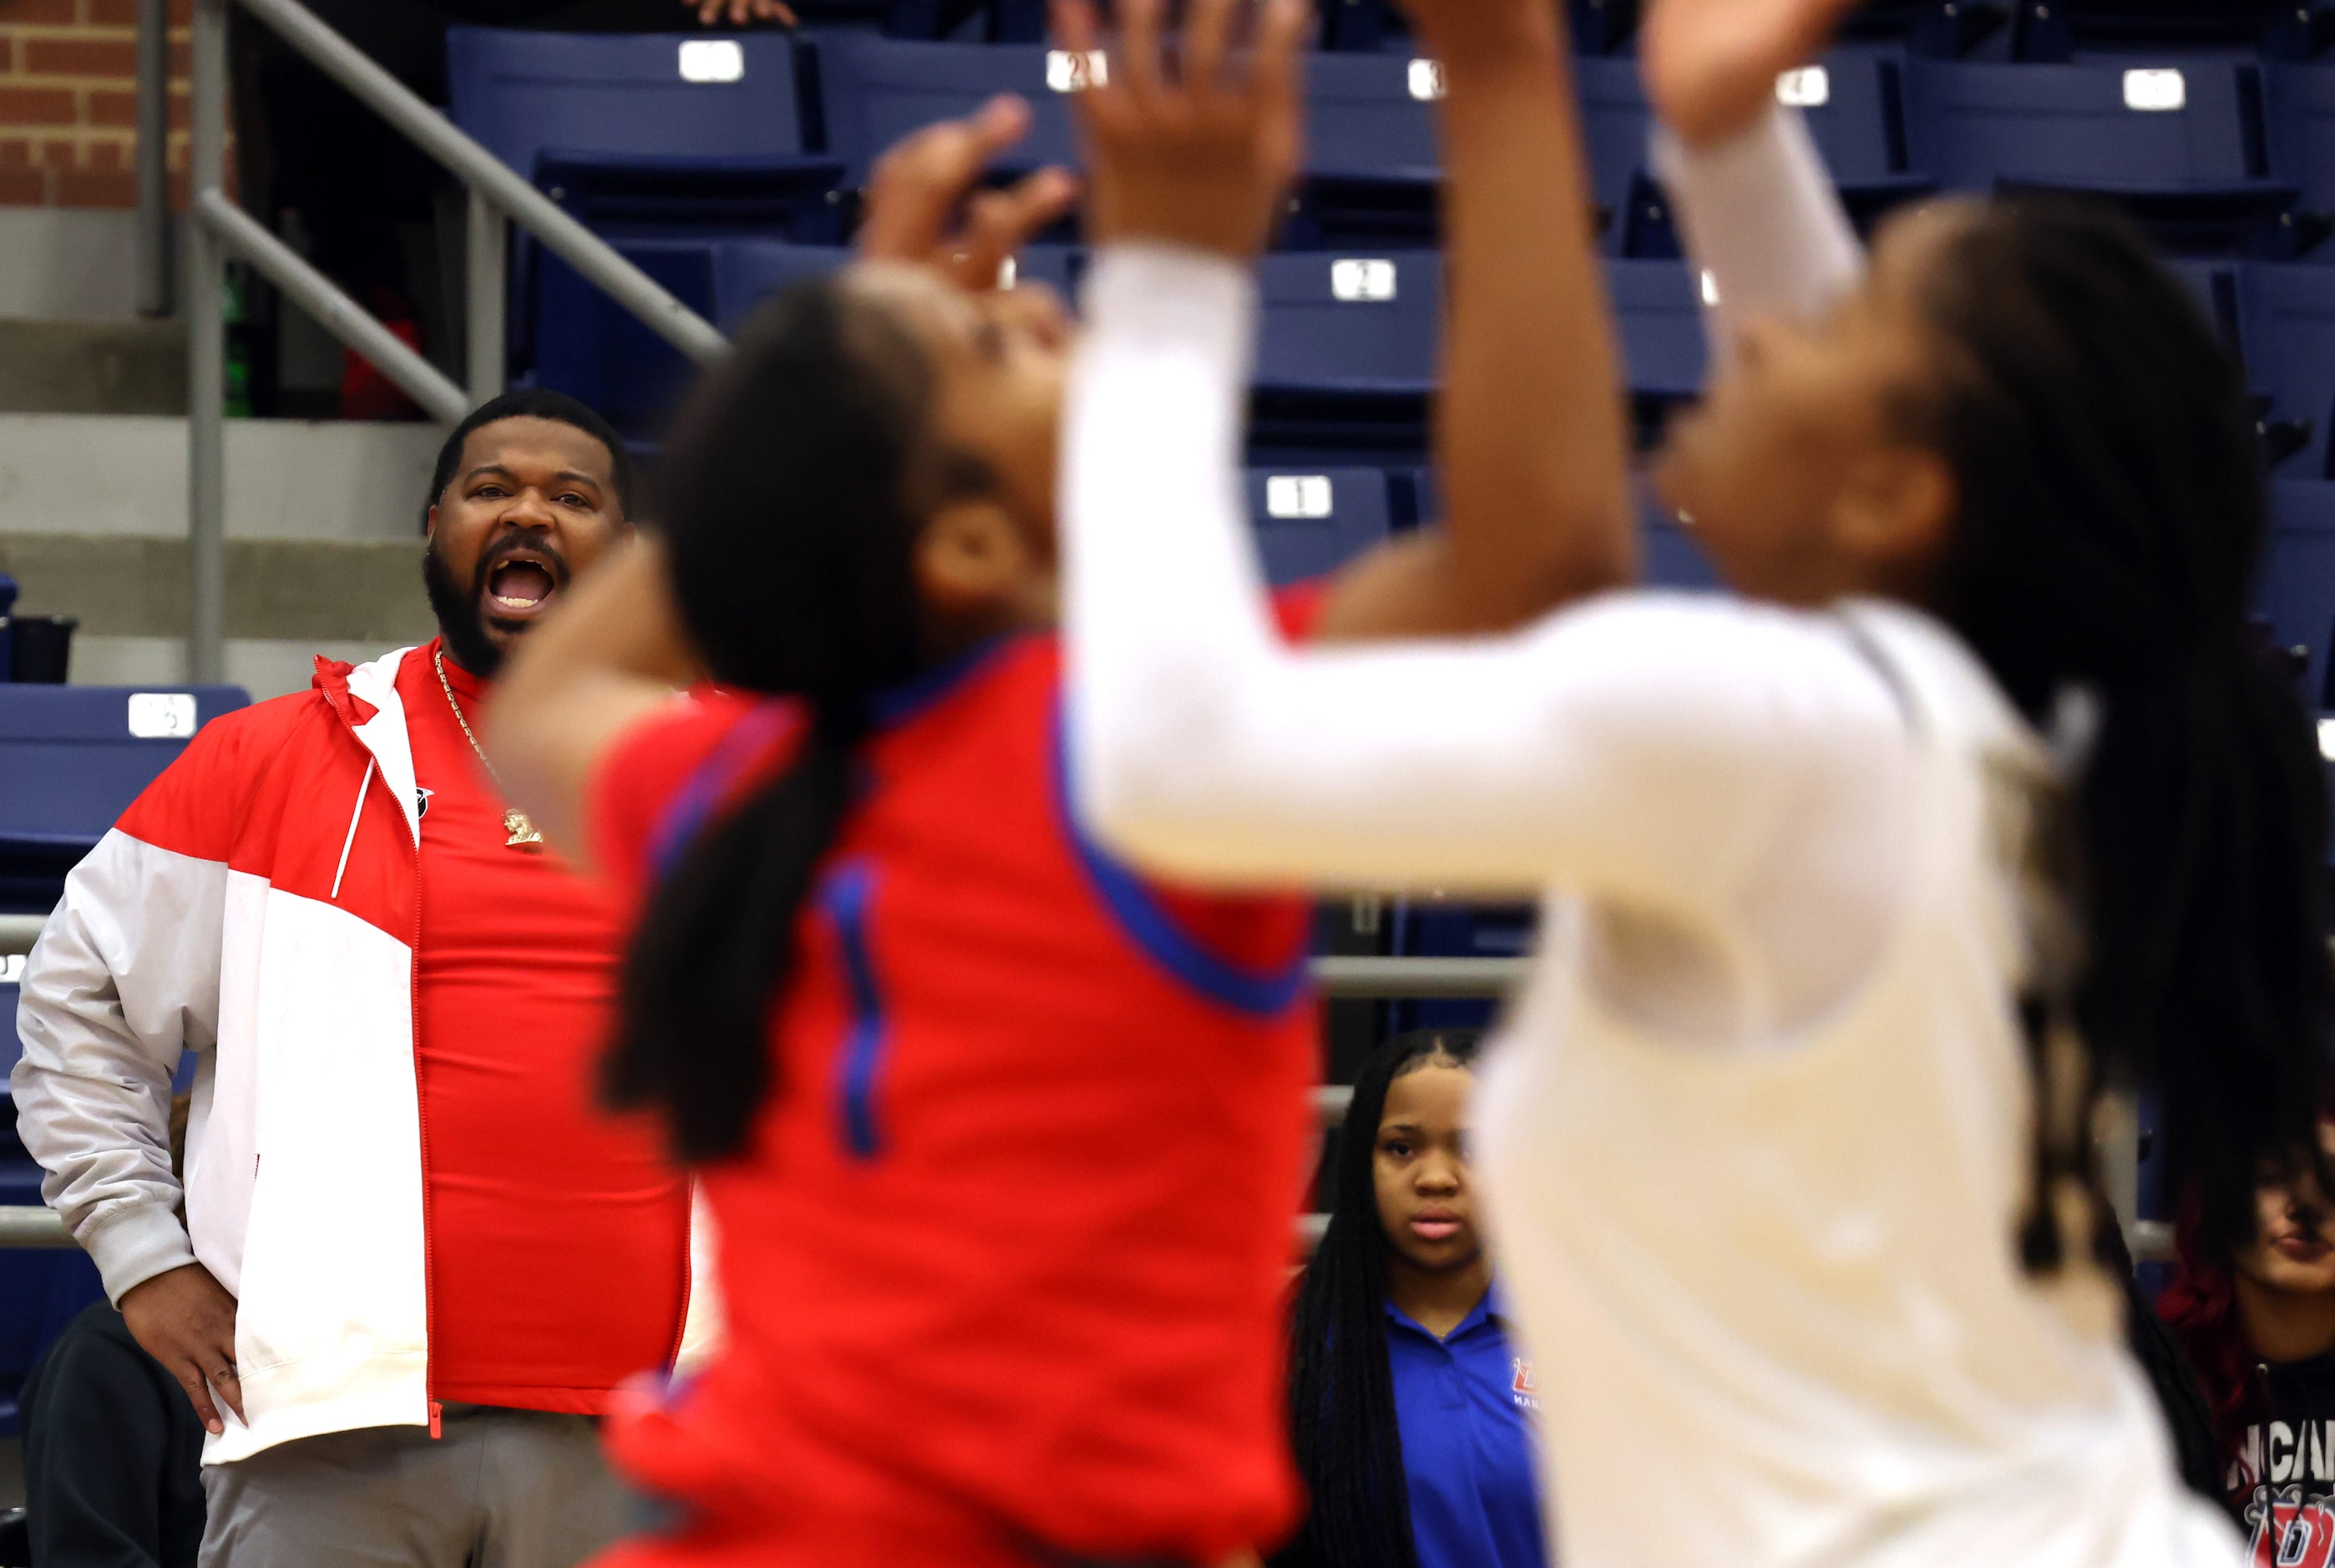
column 134, row 1244
column 1145, row 295
column 1760, row 214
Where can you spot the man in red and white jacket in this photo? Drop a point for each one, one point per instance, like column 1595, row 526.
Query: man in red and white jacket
column 413, row 1259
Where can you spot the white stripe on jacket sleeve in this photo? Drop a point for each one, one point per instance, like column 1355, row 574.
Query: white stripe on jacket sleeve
column 125, row 976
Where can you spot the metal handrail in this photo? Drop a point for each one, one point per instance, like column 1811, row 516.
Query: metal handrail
column 217, row 228
column 2151, row 1240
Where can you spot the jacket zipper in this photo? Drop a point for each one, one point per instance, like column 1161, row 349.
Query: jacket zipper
column 422, row 1126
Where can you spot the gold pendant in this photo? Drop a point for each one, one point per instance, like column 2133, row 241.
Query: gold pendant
column 523, row 836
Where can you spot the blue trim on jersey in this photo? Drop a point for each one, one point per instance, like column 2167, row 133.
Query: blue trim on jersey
column 910, row 698
column 683, row 817
column 1139, row 914
column 843, row 895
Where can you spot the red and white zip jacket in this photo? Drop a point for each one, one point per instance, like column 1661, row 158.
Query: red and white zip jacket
column 259, row 906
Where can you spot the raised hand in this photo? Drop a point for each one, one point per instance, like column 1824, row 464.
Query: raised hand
column 921, row 207
column 186, row 1320
column 1194, row 138
column 1710, row 65
column 739, row 12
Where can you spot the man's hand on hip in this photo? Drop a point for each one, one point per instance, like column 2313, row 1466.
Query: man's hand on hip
column 186, row 1320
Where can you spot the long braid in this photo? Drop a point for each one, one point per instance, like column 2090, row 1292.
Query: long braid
column 2112, row 511
column 787, row 517
column 1348, row 1444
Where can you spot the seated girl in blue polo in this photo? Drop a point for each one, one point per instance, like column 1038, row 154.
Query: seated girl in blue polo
column 1412, row 1413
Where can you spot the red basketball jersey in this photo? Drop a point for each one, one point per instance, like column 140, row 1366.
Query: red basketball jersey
column 1005, row 1262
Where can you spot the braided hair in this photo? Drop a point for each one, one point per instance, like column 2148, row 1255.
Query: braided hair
column 1341, row 1388
column 2111, row 514
column 787, row 511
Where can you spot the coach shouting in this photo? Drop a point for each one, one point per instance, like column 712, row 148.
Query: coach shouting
column 413, row 1262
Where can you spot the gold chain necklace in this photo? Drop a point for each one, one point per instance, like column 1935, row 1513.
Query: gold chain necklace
column 523, row 836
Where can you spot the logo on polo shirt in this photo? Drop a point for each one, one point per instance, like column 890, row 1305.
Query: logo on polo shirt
column 422, row 802
column 1521, row 1385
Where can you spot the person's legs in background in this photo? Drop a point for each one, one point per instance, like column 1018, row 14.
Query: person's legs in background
column 499, row 1489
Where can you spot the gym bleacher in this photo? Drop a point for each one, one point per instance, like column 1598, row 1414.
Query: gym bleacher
column 735, row 167
column 728, row 166
column 72, row 758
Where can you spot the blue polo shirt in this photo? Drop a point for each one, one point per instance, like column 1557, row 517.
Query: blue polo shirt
column 1464, row 1405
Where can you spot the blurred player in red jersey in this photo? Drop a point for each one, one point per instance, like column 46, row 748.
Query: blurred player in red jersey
column 1005, row 1142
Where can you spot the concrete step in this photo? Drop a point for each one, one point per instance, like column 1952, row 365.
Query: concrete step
column 93, row 367
column 285, row 478
column 323, row 528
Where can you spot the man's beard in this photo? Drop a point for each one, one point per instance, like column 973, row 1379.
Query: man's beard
column 463, row 618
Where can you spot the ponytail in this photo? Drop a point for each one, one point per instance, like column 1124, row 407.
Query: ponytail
column 2112, row 511
column 697, row 992
column 789, row 532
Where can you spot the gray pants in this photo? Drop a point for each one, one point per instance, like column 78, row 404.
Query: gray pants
column 501, row 1489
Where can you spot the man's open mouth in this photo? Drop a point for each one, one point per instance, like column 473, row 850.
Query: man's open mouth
column 520, row 584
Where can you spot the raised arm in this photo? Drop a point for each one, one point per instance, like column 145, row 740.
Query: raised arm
column 618, row 652
column 1529, row 433
column 1626, row 747
column 1757, row 208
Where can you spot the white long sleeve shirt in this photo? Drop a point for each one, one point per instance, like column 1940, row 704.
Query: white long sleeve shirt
column 1754, row 1135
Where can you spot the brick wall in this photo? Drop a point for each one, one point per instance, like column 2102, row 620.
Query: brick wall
column 68, row 102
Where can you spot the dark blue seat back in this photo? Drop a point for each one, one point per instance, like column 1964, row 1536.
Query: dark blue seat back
column 524, row 94
column 1977, row 125
column 2296, row 589
column 1355, row 322
column 71, row 759
column 1854, row 104
column 1310, row 522
column 2287, row 316
column 1371, row 115
column 1616, row 121
column 875, row 91
column 590, row 347
column 746, row 272
column 1658, row 308
column 2301, row 105
column 71, row 762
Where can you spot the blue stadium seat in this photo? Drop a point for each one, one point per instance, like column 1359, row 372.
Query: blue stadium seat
column 1616, row 123
column 873, row 91
column 2300, row 102
column 72, row 758
column 647, row 133
column 591, row 348
column 1346, row 357
column 1365, row 322
column 625, row 96
column 1852, row 100
column 2287, row 323
column 1309, row 523
column 746, row 272
column 641, row 134
column 2181, row 144
column 2296, row 593
column 1373, row 165
column 1657, row 309
column 2058, row 30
